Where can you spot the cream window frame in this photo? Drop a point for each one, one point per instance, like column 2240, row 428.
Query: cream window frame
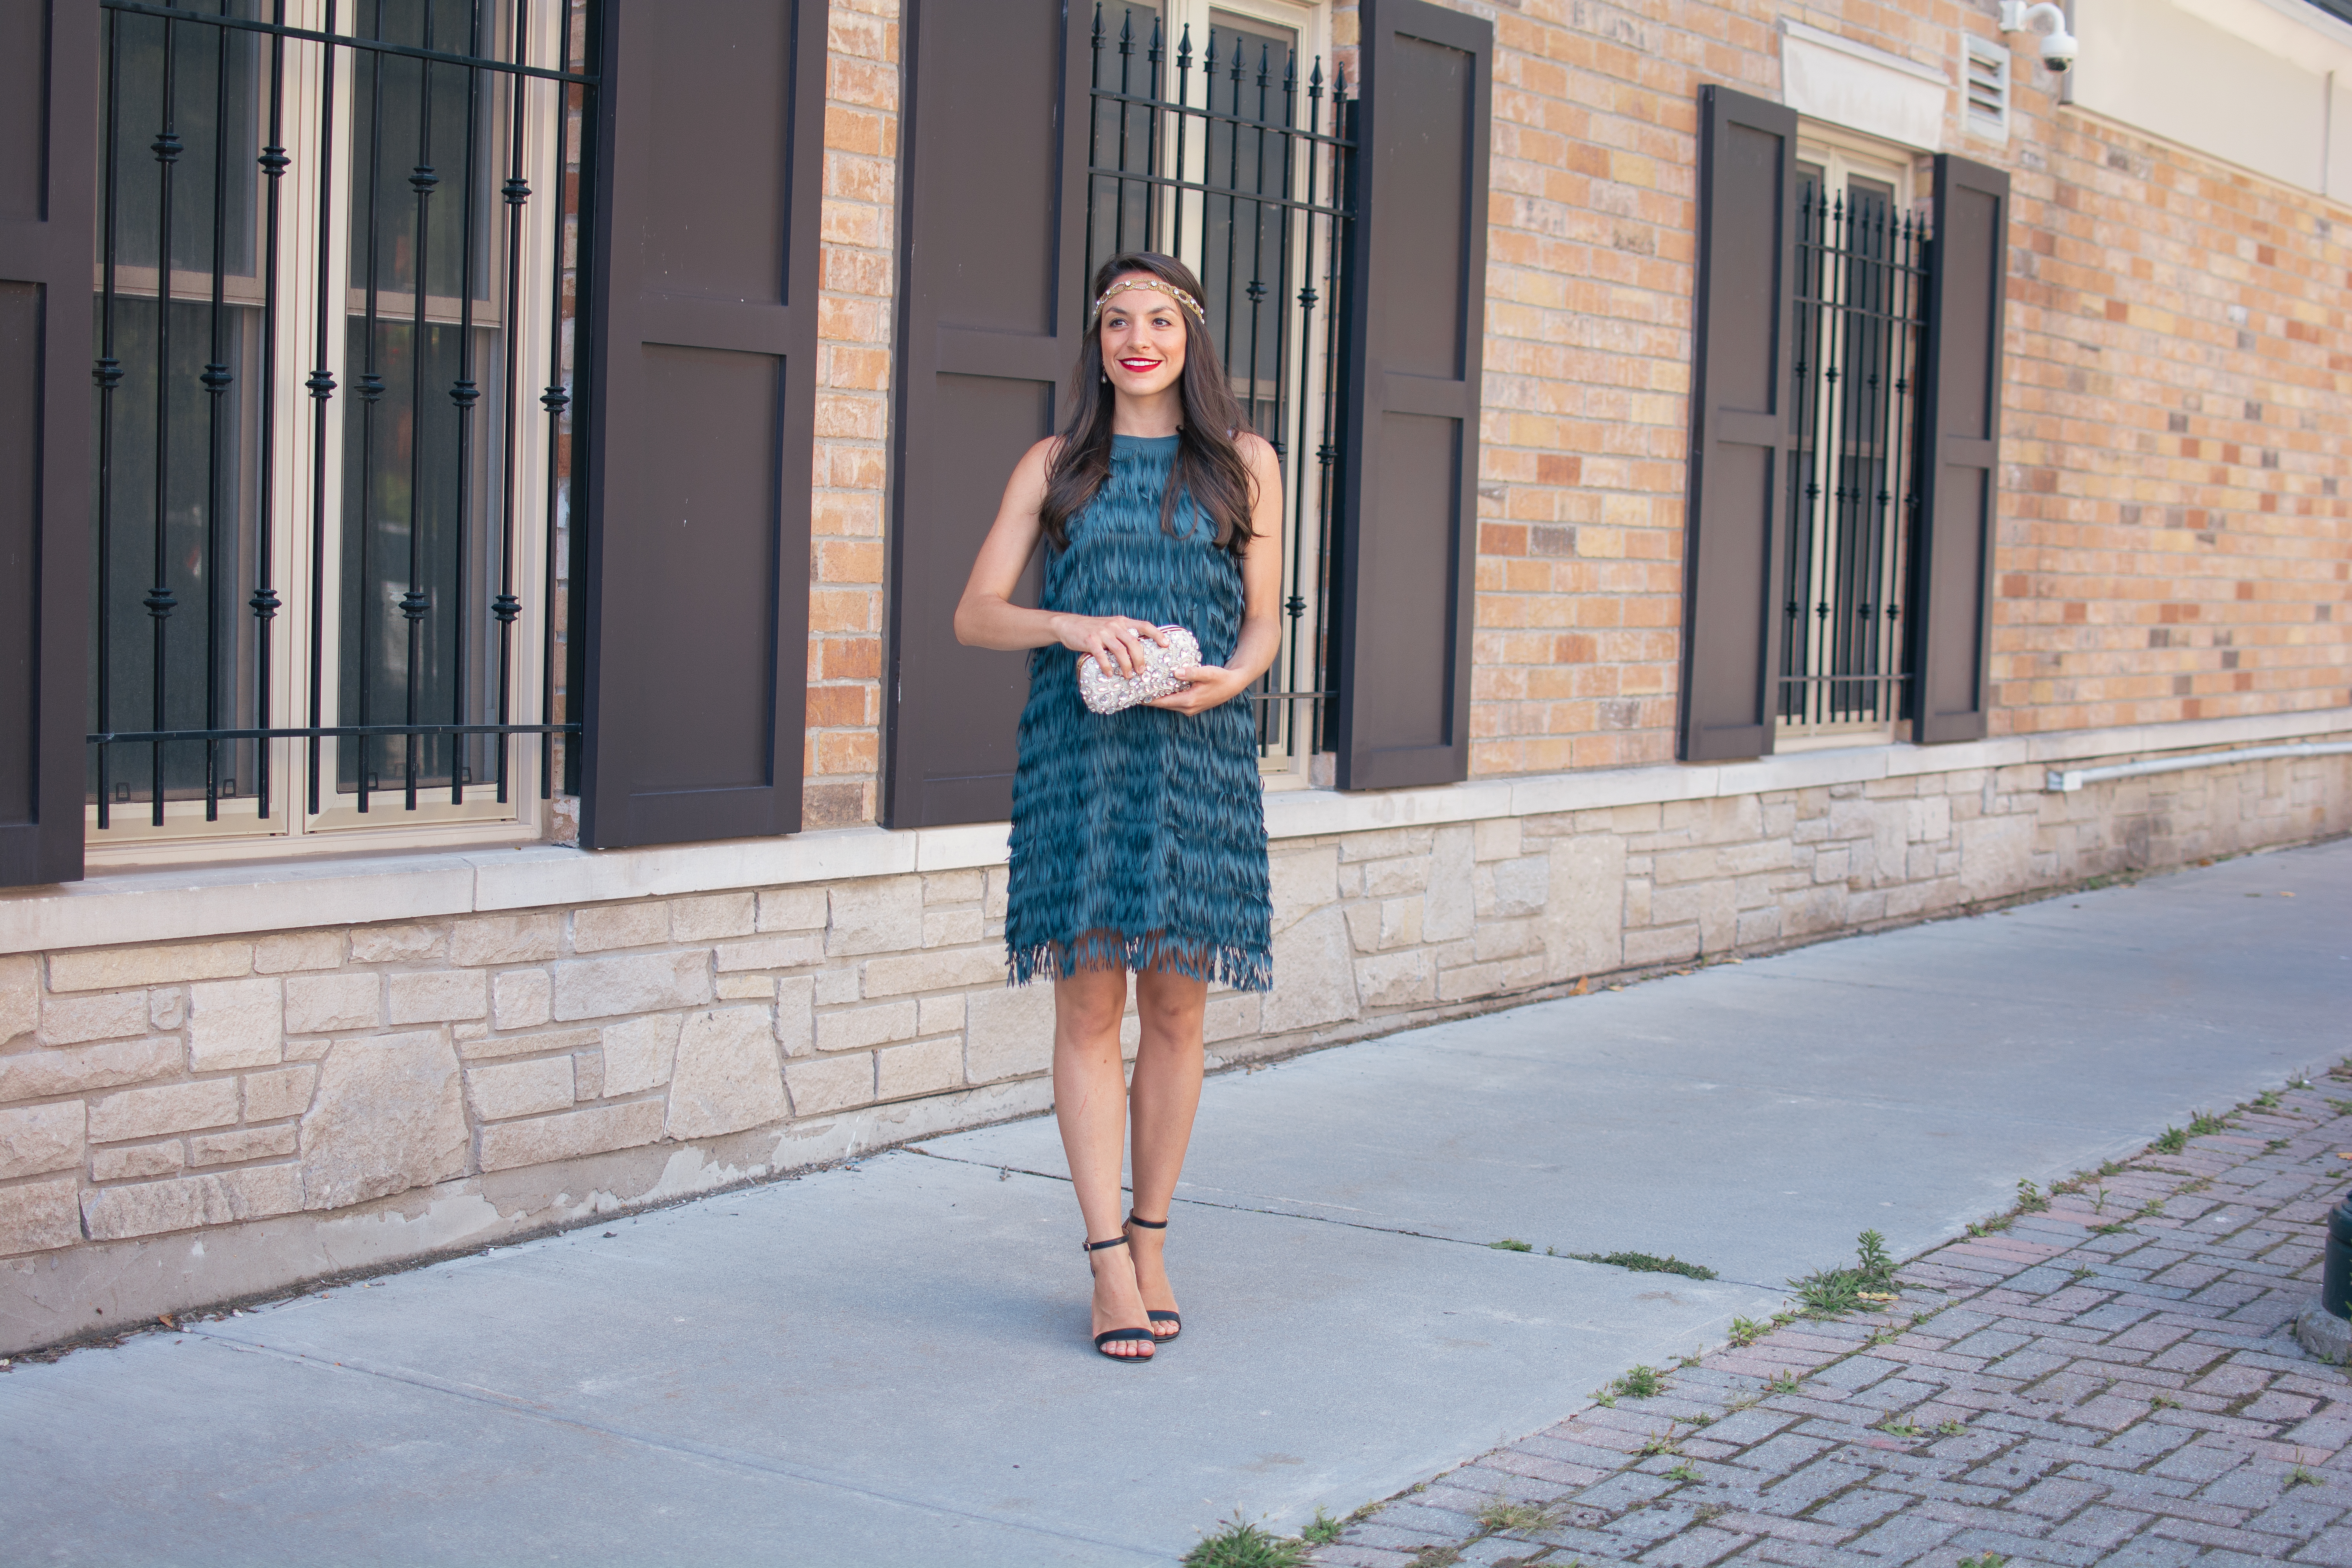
column 131, row 840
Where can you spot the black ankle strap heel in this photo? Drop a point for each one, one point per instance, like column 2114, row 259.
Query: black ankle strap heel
column 1157, row 1316
column 1108, row 1335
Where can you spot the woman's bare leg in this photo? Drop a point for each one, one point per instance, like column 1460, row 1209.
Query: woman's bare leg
column 1167, row 1092
column 1090, row 1104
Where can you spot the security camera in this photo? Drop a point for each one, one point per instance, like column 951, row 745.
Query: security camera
column 2058, row 46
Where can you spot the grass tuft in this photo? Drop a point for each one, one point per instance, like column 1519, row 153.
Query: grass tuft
column 1322, row 1530
column 2202, row 1124
column 1504, row 1517
column 1241, row 1544
column 1511, row 1244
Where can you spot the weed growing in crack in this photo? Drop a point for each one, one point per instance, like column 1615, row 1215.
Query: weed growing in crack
column 1784, row 1383
column 2274, row 1145
column 2164, row 1401
column 2267, row 1098
column 1988, row 1559
column 2079, row 1275
column 2111, row 1229
column 2175, row 1140
column 1241, row 1544
column 1827, row 1292
column 1642, row 1383
column 1899, row 1428
column 2202, row 1124
column 2030, row 1199
column 2150, row 1209
column 1951, row 1428
column 1682, row 1472
column 1322, row 1530
column 1746, row 1331
column 1645, row 1263
column 1660, row 1443
column 1435, row 1557
column 2299, row 1477
column 1511, row 1244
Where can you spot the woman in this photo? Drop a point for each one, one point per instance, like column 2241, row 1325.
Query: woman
column 1138, row 837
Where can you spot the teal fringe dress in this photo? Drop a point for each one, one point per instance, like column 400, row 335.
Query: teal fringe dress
column 1138, row 837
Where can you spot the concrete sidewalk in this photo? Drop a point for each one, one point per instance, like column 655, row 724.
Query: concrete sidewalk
column 887, row 1364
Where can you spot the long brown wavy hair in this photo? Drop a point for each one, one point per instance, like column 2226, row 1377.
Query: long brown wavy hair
column 1208, row 463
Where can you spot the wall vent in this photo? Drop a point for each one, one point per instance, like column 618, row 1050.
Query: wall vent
column 1984, row 68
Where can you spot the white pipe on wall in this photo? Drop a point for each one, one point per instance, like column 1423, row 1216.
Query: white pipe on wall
column 2072, row 779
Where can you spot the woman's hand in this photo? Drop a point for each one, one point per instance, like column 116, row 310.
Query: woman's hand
column 1206, row 686
column 1115, row 642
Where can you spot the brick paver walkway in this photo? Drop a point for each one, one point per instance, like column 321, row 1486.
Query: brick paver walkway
column 2060, row 1390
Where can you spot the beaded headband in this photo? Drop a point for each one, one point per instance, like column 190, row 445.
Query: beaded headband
column 1157, row 286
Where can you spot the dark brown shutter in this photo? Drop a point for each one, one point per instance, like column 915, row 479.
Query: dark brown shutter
column 1416, row 322
column 1951, row 628
column 990, row 213
column 699, row 419
column 48, row 86
column 1732, row 541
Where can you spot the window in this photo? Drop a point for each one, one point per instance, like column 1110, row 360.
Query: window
column 1860, row 301
column 1845, row 439
column 1218, row 137
column 331, row 414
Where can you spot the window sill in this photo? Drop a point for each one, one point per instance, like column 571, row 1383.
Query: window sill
column 194, row 902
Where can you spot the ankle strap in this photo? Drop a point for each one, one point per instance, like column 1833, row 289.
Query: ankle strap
column 1098, row 1246
column 1145, row 1224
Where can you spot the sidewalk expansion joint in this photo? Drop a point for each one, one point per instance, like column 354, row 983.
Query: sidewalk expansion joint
column 1317, row 1218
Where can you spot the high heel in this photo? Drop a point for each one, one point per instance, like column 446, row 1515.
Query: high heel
column 1157, row 1316
column 1108, row 1335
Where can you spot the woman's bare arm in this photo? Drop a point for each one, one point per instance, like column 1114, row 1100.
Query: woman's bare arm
column 987, row 616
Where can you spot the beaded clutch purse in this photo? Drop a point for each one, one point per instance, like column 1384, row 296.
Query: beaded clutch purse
column 1109, row 693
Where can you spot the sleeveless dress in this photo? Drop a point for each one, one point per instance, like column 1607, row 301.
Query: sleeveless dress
column 1138, row 837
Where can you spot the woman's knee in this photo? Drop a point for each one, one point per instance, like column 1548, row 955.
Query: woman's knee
column 1090, row 1002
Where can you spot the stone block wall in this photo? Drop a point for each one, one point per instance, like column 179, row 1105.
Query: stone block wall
column 547, row 1065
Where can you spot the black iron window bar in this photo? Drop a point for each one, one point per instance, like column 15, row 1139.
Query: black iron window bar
column 1226, row 158
column 1854, row 491
column 195, row 444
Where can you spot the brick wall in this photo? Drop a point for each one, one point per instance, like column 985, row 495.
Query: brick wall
column 857, row 258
